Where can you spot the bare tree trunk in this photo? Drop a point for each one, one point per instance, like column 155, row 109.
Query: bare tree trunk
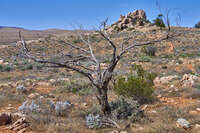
column 103, row 101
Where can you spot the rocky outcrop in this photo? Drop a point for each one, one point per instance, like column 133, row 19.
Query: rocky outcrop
column 18, row 121
column 130, row 21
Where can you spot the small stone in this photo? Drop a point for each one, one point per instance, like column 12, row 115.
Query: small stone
column 183, row 123
column 198, row 109
column 114, row 131
column 144, row 107
column 153, row 111
column 193, row 112
column 43, row 83
column 33, row 95
column 51, row 95
column 52, row 81
column 85, row 104
column 1, row 61
column 159, row 96
column 197, row 126
column 123, row 132
column 6, row 63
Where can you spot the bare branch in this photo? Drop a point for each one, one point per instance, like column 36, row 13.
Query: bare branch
column 54, row 64
column 111, row 43
column 74, row 46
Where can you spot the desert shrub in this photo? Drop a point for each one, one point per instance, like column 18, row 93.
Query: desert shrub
column 29, row 66
column 144, row 59
column 61, row 108
column 159, row 21
column 138, row 86
column 38, row 66
column 93, row 121
column 126, row 109
column 21, row 89
column 6, row 68
column 197, row 25
column 26, row 107
column 150, row 50
column 1, row 68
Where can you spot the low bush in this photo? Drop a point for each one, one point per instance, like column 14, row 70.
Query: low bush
column 93, row 121
column 6, row 68
column 150, row 50
column 138, row 86
column 126, row 109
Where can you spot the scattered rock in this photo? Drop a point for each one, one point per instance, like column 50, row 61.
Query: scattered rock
column 85, row 104
column 183, row 123
column 197, row 126
column 1, row 61
column 33, row 95
column 43, row 84
column 144, row 107
column 189, row 80
column 198, row 109
column 51, row 95
column 21, row 89
column 193, row 112
column 20, row 125
column 52, row 81
column 17, row 121
column 164, row 80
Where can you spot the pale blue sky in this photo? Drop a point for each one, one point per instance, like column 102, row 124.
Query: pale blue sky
column 43, row 14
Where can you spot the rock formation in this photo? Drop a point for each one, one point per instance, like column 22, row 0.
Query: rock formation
column 132, row 20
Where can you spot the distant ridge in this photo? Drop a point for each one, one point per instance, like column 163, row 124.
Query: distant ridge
column 10, row 27
column 10, row 35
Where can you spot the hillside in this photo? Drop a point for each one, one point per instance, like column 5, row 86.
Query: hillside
column 50, row 99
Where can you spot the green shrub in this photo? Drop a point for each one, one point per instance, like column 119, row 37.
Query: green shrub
column 138, row 86
column 6, row 68
column 159, row 21
column 126, row 109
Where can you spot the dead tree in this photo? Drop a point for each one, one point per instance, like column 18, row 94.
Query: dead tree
column 98, row 77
